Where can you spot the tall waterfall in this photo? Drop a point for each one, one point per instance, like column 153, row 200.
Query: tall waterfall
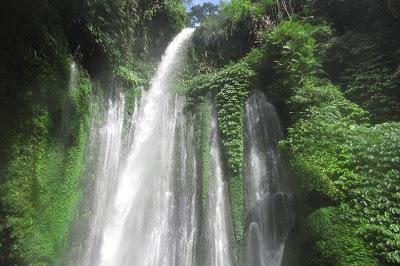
column 269, row 217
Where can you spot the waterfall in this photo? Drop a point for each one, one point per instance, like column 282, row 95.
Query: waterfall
column 144, row 207
column 269, row 217
column 218, row 231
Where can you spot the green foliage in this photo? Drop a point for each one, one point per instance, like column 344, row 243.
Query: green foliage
column 363, row 56
column 255, row 58
column 199, row 13
column 233, row 84
column 236, row 198
column 334, row 242
column 236, row 9
column 320, row 112
column 234, row 87
column 371, row 83
column 230, row 34
column 125, row 29
column 316, row 93
column 230, row 87
column 371, row 186
column 292, row 47
column 338, row 157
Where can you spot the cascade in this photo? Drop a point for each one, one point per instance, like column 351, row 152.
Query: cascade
column 267, row 197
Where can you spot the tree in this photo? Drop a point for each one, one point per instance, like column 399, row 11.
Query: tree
column 198, row 13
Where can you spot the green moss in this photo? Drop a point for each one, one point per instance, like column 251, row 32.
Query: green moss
column 44, row 173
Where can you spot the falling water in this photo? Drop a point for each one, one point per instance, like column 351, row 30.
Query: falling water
column 269, row 217
column 219, row 232
column 145, row 200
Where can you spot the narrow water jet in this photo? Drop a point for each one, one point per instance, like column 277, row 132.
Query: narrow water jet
column 267, row 187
